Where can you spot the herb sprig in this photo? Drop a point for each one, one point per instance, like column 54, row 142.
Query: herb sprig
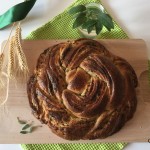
column 27, row 127
column 91, row 18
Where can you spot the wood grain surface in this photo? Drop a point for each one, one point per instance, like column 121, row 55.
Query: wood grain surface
column 135, row 130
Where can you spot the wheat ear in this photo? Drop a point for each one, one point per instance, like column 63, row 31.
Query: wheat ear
column 22, row 70
column 11, row 59
column 1, row 69
column 3, row 75
column 1, row 61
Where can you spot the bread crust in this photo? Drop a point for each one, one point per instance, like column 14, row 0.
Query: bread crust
column 82, row 91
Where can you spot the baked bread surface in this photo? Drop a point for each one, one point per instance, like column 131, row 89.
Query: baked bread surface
column 82, row 91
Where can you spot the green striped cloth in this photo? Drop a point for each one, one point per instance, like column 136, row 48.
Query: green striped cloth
column 61, row 28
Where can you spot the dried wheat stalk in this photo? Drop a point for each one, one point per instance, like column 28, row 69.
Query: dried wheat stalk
column 11, row 59
column 1, row 69
column 22, row 70
column 4, row 79
column 1, row 61
column 16, row 66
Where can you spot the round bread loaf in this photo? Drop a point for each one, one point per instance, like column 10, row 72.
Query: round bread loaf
column 82, row 91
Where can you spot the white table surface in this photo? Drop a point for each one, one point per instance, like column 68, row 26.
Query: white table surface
column 44, row 11
column 132, row 16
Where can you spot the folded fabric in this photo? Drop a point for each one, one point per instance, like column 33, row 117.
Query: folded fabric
column 102, row 146
column 61, row 28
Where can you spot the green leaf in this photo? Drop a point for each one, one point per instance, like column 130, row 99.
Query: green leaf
column 26, row 126
column 90, row 28
column 88, row 24
column 78, row 14
column 31, row 129
column 111, row 21
column 77, row 9
column 94, row 10
column 24, row 132
column 98, row 27
column 93, row 13
column 106, row 21
column 79, row 20
column 21, row 121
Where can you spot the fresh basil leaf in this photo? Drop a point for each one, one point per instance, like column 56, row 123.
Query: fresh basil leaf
column 77, row 9
column 21, row 121
column 98, row 27
column 79, row 20
column 88, row 24
column 106, row 21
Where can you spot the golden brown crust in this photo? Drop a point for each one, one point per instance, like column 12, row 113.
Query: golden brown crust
column 82, row 91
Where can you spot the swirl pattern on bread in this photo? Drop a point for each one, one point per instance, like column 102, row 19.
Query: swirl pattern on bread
column 82, row 91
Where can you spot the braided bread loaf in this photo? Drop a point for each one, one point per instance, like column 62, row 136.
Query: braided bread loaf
column 82, row 91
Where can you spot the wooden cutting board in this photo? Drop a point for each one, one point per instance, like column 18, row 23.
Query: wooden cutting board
column 135, row 130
